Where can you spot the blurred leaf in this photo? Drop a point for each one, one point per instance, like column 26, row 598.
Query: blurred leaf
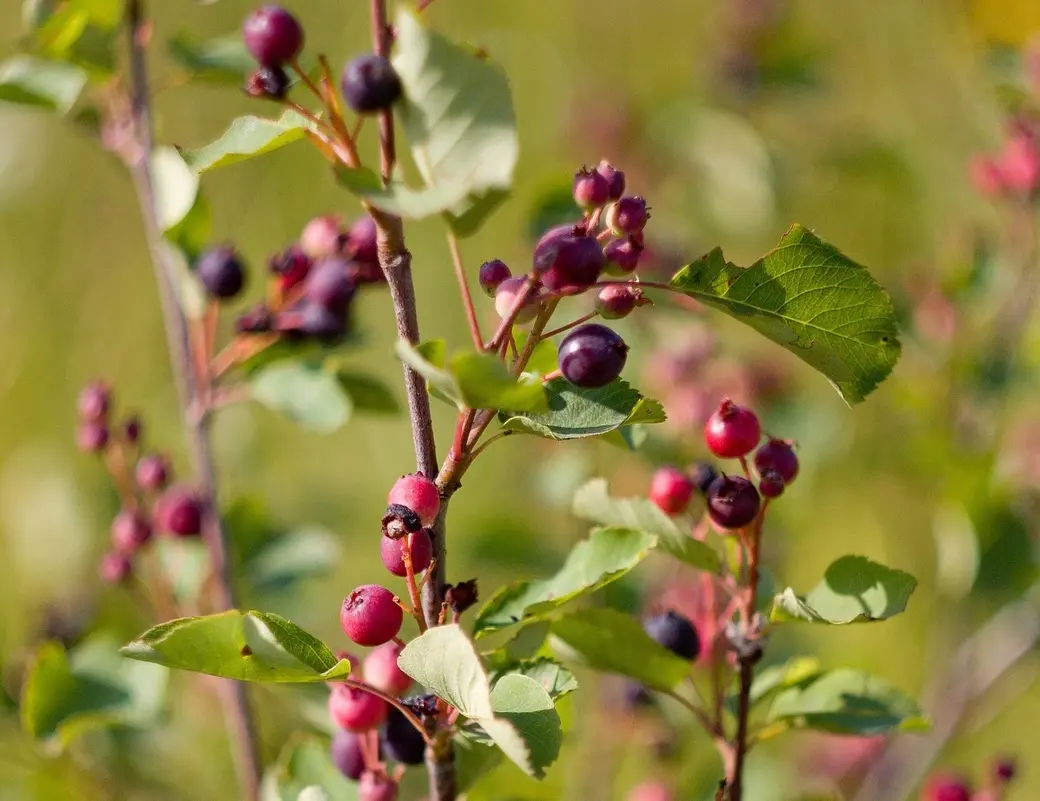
column 304, row 393
column 554, row 206
column 36, row 12
column 305, row 763
column 468, row 217
column 248, row 646
column 246, row 138
column 557, row 680
column 30, row 81
column 92, row 686
column 526, row 725
column 543, row 358
column 223, row 59
column 606, row 555
column 593, row 502
column 190, row 293
column 185, row 564
column 176, row 187
column 778, row 677
column 368, row 393
column 444, row 661
column 398, row 198
column 854, row 590
column 59, row 32
column 300, row 554
column 473, row 761
column 608, row 640
column 813, row 300
column 194, row 231
column 525, row 645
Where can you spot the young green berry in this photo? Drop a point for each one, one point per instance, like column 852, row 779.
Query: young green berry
column 492, row 273
column 370, row 615
column 271, row 83
column 272, row 36
column 947, row 787
column 323, row 237
column 591, row 189
column 420, row 548
column 578, row 262
column 130, row 530
column 674, row 632
column 592, row 356
column 506, row 295
column 376, row 787
column 778, row 456
column 115, row 568
column 92, row 437
column 370, row 84
column 622, row 256
column 330, row 285
column 345, row 751
column 93, row 402
column 771, row 484
column 733, row 501
column 671, row 490
column 732, row 431
column 152, row 472
column 615, row 179
column 628, row 216
column 355, row 709
column 382, row 671
column 418, row 493
column 702, row 474
column 221, row 272
column 401, row 740
column 616, row 301
column 179, row 511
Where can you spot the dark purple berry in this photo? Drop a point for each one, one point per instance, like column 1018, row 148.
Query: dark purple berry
column 401, row 740
column 272, row 36
column 946, row 787
column 291, row 266
column 674, row 632
column 268, row 82
column 370, row 615
column 345, row 750
column 732, row 431
column 421, row 552
column 152, row 472
column 591, row 189
column 592, row 356
column 329, row 284
column 733, row 501
column 114, row 568
column 671, row 490
column 179, row 511
column 221, row 272
column 636, row 695
column 93, row 402
column 493, row 273
column 622, row 256
column 92, row 437
column 578, row 263
column 362, row 243
column 132, row 430
column 130, row 530
column 628, row 216
column 615, row 301
column 321, row 323
column 615, row 180
column 257, row 320
column 323, row 237
column 771, row 484
column 778, row 456
column 702, row 474
column 370, row 84
column 544, row 254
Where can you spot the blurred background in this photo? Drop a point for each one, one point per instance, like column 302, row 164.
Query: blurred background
column 734, row 118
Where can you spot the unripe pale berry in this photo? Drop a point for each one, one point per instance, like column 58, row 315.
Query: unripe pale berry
column 221, row 272
column 152, row 472
column 382, row 671
column 592, row 356
column 322, row 237
column 179, row 511
column 401, row 740
column 506, row 296
column 674, row 632
column 579, row 261
column 492, row 273
column 114, row 568
column 370, row 83
column 591, row 189
column 628, row 216
column 616, row 301
column 671, row 490
column 421, row 549
column 329, row 284
column 732, row 501
column 376, row 787
column 354, row 709
column 946, row 787
column 416, row 492
column 370, row 615
column 130, row 530
column 622, row 256
column 272, row 35
column 93, row 402
column 92, row 437
column 345, row 751
column 615, row 179
column 732, row 431
column 271, row 83
column 777, row 455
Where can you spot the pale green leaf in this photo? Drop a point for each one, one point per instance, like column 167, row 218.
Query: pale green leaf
column 303, row 765
column 557, row 680
column 526, row 725
column 398, row 198
column 185, row 563
column 306, row 394
column 246, row 138
column 303, row 553
column 368, row 393
column 223, row 60
column 444, row 661
column 854, row 590
column 30, row 81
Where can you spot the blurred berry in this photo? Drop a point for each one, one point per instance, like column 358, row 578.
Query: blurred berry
column 493, row 273
column 271, row 83
column 370, row 84
column 221, row 272
column 591, row 189
column 272, row 35
column 93, row 402
column 92, row 437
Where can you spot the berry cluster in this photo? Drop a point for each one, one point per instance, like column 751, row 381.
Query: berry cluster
column 947, row 786
column 1014, row 172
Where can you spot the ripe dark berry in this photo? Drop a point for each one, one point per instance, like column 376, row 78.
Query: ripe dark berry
column 92, row 437
column 771, row 484
column 545, row 249
column 636, row 696
column 628, row 216
column 152, row 472
column 616, row 301
column 179, row 511
column 506, row 296
column 401, row 740
column 702, row 474
column 271, row 83
column 354, row 709
column 329, row 284
column 93, row 402
column 257, row 320
column 622, row 256
column 732, row 431
column 615, row 180
column 778, row 456
column 674, row 632
column 362, row 240
column 114, row 568
column 321, row 323
column 370, row 84
column 132, row 430
column 291, row 266
column 946, row 787
column 322, row 237
column 221, row 272
column 1005, row 769
column 592, row 355
column 732, row 501
column 345, row 750
column 382, row 672
column 376, row 787
column 671, row 490
column 370, row 615
column 130, row 530
column 419, row 494
column 591, row 189
column 493, row 273
column 272, row 35
column 578, row 263
column 421, row 550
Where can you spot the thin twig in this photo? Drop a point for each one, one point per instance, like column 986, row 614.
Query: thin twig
column 583, row 319
column 467, row 297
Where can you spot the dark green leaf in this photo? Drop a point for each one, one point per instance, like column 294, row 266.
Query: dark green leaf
column 30, row 81
column 854, row 590
column 300, row 554
column 306, row 394
column 305, row 762
column 368, row 393
column 246, row 138
column 813, row 300
column 224, row 60
column 248, row 646
column 526, row 725
column 557, row 680
column 473, row 760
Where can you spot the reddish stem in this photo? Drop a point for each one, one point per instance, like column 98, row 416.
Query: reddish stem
column 467, row 297
column 583, row 319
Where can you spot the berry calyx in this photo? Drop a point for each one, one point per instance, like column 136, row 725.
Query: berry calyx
column 671, row 490
column 370, row 83
column 732, row 431
column 578, row 262
column 622, row 256
column 492, row 273
column 732, row 501
column 271, row 83
column 418, row 493
column 376, row 787
column 322, row 237
column 93, row 402
column 329, row 285
column 628, row 215
column 702, row 474
column 506, row 296
column 272, row 36
column 615, row 179
column 354, row 709
column 345, row 751
column 946, row 787
column 616, row 301
column 92, row 437
column 370, row 615
column 771, row 484
column 179, row 511
column 132, row 430
column 399, row 521
column 130, row 530
column 592, row 355
column 221, row 272
column 778, row 456
column 152, row 472
column 419, row 545
column 591, row 189
column 382, row 672
column 674, row 632
column 401, row 740
column 114, row 568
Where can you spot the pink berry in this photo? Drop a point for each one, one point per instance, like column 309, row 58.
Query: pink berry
column 416, row 492
column 92, row 437
column 650, row 791
column 622, row 256
column 732, row 431
column 179, row 511
column 615, row 179
column 505, row 298
column 421, row 552
column 778, row 456
column 493, row 273
column 986, row 176
column 130, row 530
column 152, row 472
column 370, row 615
column 671, row 490
column 946, row 787
column 361, row 240
column 323, row 236
column 354, row 709
column 615, row 301
column 1020, row 164
column 591, row 189
column 628, row 215
column 382, row 672
column 272, row 35
column 376, row 787
column 93, row 402
column 114, row 568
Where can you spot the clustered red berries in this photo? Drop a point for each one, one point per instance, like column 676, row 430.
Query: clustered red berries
column 371, row 615
column 950, row 786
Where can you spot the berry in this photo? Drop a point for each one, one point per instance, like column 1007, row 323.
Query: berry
column 702, row 474
column 329, row 285
column 505, row 298
column 671, row 490
column 628, row 216
column 591, row 190
column 362, row 240
column 546, row 248
column 616, row 301
column 401, row 740
column 370, row 615
column 355, row 709
column 272, row 36
column 732, row 501
column 650, row 791
column 636, row 696
column 578, row 262
column 771, row 484
column 291, row 266
column 1020, row 164
column 778, row 456
column 461, row 596
column 92, row 437
column 257, row 320
column 130, row 530
column 179, row 511
column 93, row 402
column 132, row 430
column 615, row 180
column 622, row 256
column 416, row 492
column 732, row 431
column 421, row 550
column 592, row 356
column 152, row 472
column 946, row 787
column 1005, row 769
column 268, row 82
column 370, row 84
column 322, row 323
column 345, row 750
column 221, row 272
column 114, row 568
column 376, row 787
column 322, row 237
column 382, row 672
column 674, row 632
column 493, row 273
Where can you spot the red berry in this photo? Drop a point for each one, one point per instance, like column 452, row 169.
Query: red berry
column 615, row 180
column 272, row 35
column 777, row 455
column 732, row 431
column 421, row 551
column 506, row 295
column 152, row 472
column 221, row 272
column 671, row 490
column 92, row 437
column 354, row 709
column 733, row 501
column 591, row 189
column 114, row 568
column 322, row 237
column 416, row 492
column 370, row 615
column 622, row 256
column 771, row 484
column 93, row 402
column 946, row 787
column 376, row 787
column 615, row 301
column 382, row 672
column 493, row 273
column 130, row 530
column 179, row 511
column 628, row 215
column 579, row 261
column 370, row 83
column 592, row 356
column 345, row 751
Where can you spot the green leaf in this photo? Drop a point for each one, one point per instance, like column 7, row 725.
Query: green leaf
column 778, row 677
column 300, row 554
column 847, row 701
column 65, row 695
column 246, row 138
column 813, row 300
column 526, row 725
column 607, row 555
column 473, row 761
column 368, row 393
column 575, row 412
column 30, row 81
column 608, row 640
column 854, row 590
column 306, row 394
column 248, row 646
column 185, row 563
column 444, row 661
column 398, row 198
column 305, row 763
column 223, row 60
column 176, row 187
column 557, row 680
column 593, row 502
